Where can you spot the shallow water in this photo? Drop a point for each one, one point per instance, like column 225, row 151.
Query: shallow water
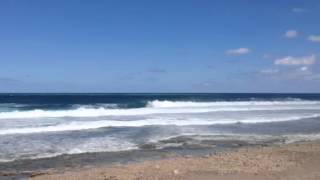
column 37, row 126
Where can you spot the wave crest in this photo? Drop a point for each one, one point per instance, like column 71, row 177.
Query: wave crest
column 166, row 107
column 172, row 104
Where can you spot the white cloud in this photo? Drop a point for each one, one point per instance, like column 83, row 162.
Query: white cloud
column 314, row 38
column 298, row 10
column 292, row 61
column 239, row 51
column 291, row 34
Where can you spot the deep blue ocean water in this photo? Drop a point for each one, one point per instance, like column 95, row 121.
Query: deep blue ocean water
column 67, row 100
column 47, row 125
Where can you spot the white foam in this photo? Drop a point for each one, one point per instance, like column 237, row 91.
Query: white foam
column 84, row 125
column 94, row 144
column 167, row 107
column 111, row 144
column 292, row 138
column 172, row 104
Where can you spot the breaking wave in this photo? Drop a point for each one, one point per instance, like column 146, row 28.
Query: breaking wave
column 165, row 107
column 176, row 104
column 85, row 125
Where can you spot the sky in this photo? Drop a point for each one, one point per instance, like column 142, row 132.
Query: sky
column 160, row 46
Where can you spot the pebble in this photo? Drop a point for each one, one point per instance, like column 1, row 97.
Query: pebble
column 176, row 172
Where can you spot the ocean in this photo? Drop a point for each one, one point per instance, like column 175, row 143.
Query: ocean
column 35, row 126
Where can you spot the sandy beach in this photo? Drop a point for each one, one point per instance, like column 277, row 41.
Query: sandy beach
column 300, row 161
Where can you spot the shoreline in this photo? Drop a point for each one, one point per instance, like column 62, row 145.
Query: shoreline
column 288, row 161
column 188, row 146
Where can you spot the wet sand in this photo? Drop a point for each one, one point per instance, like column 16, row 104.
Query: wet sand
column 298, row 161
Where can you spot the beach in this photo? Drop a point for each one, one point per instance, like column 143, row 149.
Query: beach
column 159, row 136
column 299, row 161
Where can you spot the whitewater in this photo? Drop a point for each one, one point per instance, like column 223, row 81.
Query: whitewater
column 179, row 113
column 166, row 107
column 37, row 126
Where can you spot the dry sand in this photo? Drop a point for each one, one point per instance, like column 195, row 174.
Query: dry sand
column 300, row 161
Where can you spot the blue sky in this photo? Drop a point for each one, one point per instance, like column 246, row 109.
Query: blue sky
column 159, row 46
